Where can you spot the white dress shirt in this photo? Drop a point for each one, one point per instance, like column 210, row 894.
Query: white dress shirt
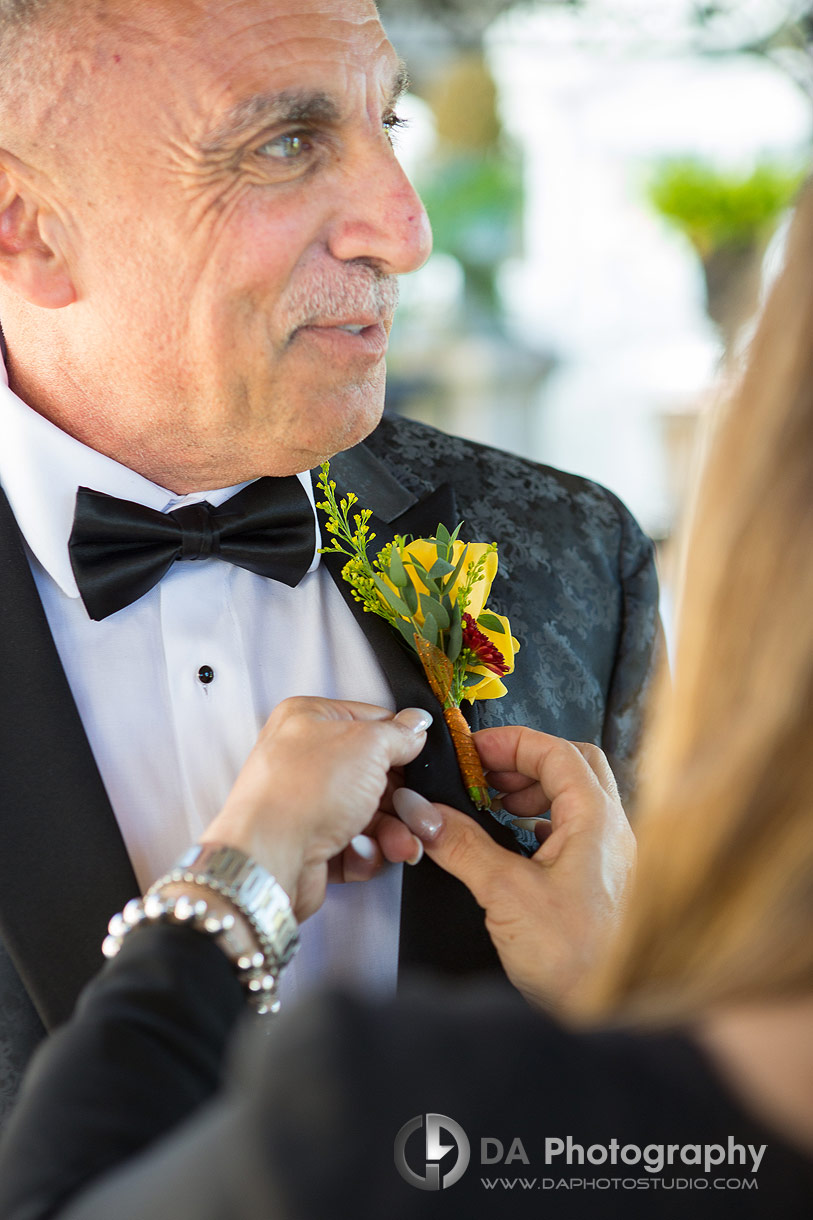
column 167, row 745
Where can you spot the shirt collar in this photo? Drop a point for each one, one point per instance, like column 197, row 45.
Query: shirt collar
column 41, row 468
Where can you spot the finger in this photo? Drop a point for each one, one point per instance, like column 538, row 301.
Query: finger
column 344, row 709
column 397, row 842
column 596, row 759
column 530, row 803
column 509, row 781
column 554, row 762
column 419, row 814
column 542, row 829
column 415, row 718
column 465, row 850
column 361, row 860
column 404, row 736
column 395, row 780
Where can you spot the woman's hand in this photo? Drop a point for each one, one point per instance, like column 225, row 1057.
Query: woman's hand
column 549, row 916
column 315, row 780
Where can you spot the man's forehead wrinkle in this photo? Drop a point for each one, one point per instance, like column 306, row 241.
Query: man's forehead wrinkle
column 73, row 60
column 287, row 106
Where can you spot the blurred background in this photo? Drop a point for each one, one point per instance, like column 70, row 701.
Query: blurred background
column 608, row 182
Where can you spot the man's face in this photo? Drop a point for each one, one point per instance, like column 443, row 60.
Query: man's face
column 236, row 207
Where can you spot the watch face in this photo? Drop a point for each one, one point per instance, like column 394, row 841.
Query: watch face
column 253, row 891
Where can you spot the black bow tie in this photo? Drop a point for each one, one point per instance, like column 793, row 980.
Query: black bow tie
column 119, row 549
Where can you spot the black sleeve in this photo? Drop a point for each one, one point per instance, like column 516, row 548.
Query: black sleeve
column 144, row 1051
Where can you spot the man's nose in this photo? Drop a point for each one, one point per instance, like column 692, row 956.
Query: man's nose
column 381, row 218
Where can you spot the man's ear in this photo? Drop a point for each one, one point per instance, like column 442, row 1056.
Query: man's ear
column 32, row 262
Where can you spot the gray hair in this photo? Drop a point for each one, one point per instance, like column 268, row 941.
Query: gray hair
column 31, row 35
column 15, row 14
column 18, row 18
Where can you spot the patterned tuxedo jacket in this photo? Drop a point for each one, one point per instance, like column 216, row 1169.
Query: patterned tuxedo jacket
column 577, row 581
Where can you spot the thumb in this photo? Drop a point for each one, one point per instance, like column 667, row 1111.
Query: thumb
column 453, row 840
column 405, row 735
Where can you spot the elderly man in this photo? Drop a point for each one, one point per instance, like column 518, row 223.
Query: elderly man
column 201, row 224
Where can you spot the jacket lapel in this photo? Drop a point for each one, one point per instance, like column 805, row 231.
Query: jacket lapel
column 442, row 928
column 63, row 865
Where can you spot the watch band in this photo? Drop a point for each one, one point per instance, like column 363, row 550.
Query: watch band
column 250, row 888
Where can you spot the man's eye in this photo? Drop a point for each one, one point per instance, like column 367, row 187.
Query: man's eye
column 392, row 123
column 285, row 148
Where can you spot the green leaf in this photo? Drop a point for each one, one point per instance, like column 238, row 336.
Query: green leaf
column 433, row 606
column 442, row 534
column 431, row 584
column 429, row 630
column 441, row 615
column 426, row 603
column 392, row 599
column 410, row 594
column 398, row 574
column 407, row 631
column 455, row 641
column 457, row 569
column 491, row 621
column 441, row 567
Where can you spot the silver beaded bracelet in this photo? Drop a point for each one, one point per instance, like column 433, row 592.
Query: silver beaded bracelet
column 249, row 888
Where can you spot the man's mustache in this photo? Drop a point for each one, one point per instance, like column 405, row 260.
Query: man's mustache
column 351, row 294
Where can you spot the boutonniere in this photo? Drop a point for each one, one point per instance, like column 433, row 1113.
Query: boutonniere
column 433, row 591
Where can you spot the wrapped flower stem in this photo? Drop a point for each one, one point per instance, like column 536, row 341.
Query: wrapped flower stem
column 471, row 769
column 440, row 676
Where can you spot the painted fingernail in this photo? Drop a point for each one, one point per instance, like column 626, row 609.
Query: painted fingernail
column 417, row 813
column 364, row 847
column 527, row 823
column 416, row 859
column 415, row 718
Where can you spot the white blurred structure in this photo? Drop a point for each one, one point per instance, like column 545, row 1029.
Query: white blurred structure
column 605, row 285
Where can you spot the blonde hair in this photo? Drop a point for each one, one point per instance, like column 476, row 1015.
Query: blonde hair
column 723, row 909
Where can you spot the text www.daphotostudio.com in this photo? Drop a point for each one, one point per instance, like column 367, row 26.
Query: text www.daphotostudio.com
column 433, row 1152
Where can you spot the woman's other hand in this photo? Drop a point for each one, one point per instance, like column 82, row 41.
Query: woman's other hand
column 551, row 915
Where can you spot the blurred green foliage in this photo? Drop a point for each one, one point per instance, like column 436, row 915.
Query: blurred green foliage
column 475, row 204
column 717, row 207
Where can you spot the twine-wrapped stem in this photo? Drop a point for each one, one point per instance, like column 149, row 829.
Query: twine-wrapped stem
column 470, row 766
column 440, row 676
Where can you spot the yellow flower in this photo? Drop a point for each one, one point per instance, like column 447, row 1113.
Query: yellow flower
column 426, row 552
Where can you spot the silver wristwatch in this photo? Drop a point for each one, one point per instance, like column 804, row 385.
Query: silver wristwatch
column 250, row 888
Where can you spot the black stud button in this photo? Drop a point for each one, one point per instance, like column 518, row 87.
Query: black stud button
column 206, row 674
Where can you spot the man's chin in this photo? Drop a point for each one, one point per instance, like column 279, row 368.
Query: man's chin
column 344, row 442
column 341, row 426
column 354, row 418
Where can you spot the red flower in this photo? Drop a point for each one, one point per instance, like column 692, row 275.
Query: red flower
column 476, row 641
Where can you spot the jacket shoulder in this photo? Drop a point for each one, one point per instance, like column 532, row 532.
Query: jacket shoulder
column 506, row 494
